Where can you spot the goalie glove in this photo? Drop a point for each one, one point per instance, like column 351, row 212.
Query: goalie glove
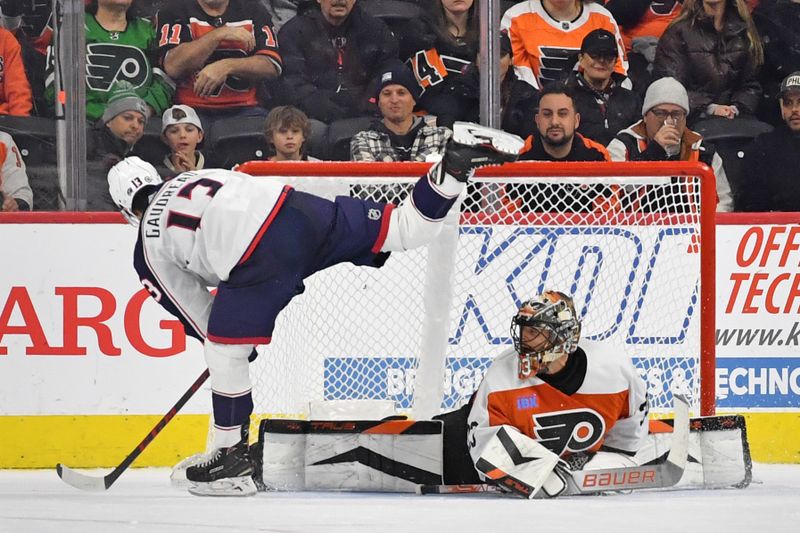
column 522, row 465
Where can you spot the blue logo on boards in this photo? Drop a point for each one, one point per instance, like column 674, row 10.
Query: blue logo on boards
column 527, row 402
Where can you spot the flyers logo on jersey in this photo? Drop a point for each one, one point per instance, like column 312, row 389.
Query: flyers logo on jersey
column 109, row 63
column 574, row 430
column 555, row 64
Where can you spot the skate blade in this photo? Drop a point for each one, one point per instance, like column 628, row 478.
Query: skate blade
column 226, row 487
column 474, row 134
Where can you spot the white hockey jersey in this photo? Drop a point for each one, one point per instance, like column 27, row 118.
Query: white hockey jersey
column 609, row 407
column 199, row 226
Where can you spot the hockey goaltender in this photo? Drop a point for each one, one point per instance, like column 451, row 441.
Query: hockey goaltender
column 550, row 418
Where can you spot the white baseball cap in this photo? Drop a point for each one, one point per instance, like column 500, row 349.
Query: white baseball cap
column 180, row 114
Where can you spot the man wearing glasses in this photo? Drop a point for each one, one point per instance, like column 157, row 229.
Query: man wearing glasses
column 662, row 135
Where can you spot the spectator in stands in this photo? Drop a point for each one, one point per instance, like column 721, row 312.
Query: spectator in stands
column 771, row 163
column 557, row 139
column 662, row 135
column 182, row 131
column 604, row 105
column 546, row 36
column 332, row 59
column 439, row 46
column 713, row 49
column 15, row 192
column 778, row 23
column 30, row 22
column 113, row 139
column 399, row 135
column 15, row 91
column 217, row 51
column 119, row 47
column 287, row 130
column 642, row 22
column 518, row 99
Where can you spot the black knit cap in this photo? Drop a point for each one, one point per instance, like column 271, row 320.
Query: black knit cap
column 399, row 75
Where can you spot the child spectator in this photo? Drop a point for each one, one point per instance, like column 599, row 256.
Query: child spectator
column 286, row 131
column 15, row 92
column 182, row 131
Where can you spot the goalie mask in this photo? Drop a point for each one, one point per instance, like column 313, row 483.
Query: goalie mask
column 127, row 178
column 544, row 329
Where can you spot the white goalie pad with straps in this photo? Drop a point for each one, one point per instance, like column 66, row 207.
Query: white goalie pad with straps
column 341, row 455
column 719, row 454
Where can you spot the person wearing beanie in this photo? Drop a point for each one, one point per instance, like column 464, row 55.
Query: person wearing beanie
column 399, row 135
column 182, row 131
column 113, row 138
column 662, row 135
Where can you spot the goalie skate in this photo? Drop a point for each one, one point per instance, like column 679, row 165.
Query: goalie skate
column 226, row 472
column 473, row 146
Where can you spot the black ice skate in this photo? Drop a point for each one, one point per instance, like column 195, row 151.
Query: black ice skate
column 226, row 472
column 474, row 146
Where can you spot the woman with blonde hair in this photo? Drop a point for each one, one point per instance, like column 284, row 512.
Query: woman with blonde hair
column 714, row 50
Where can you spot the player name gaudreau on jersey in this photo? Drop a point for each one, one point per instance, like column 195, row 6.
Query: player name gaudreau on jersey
column 152, row 223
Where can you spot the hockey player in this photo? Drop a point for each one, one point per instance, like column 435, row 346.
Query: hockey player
column 548, row 405
column 256, row 241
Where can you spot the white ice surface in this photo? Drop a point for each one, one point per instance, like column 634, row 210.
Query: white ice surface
column 143, row 500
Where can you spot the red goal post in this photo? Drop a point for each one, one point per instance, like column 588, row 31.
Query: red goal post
column 635, row 269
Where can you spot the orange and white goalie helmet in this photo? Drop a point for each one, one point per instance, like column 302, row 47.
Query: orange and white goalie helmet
column 127, row 178
column 545, row 328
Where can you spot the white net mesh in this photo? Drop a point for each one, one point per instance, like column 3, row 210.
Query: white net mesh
column 628, row 254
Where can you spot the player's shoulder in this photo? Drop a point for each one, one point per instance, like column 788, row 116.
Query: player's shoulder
column 607, row 369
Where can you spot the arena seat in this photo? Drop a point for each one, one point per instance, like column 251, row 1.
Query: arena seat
column 729, row 138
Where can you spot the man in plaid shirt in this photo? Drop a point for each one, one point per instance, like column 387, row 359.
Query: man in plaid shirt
column 399, row 135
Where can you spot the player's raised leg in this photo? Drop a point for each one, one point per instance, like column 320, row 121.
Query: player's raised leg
column 418, row 219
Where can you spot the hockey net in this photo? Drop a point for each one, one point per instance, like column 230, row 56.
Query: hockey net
column 632, row 243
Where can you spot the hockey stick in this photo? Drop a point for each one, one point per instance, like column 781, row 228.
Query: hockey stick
column 665, row 473
column 91, row 483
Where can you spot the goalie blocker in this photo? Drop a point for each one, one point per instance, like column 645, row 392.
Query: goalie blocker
column 431, row 456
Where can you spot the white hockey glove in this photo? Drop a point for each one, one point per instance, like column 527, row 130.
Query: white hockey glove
column 522, row 465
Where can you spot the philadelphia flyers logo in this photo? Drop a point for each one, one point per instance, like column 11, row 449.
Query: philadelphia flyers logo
column 109, row 63
column 574, row 430
column 555, row 64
